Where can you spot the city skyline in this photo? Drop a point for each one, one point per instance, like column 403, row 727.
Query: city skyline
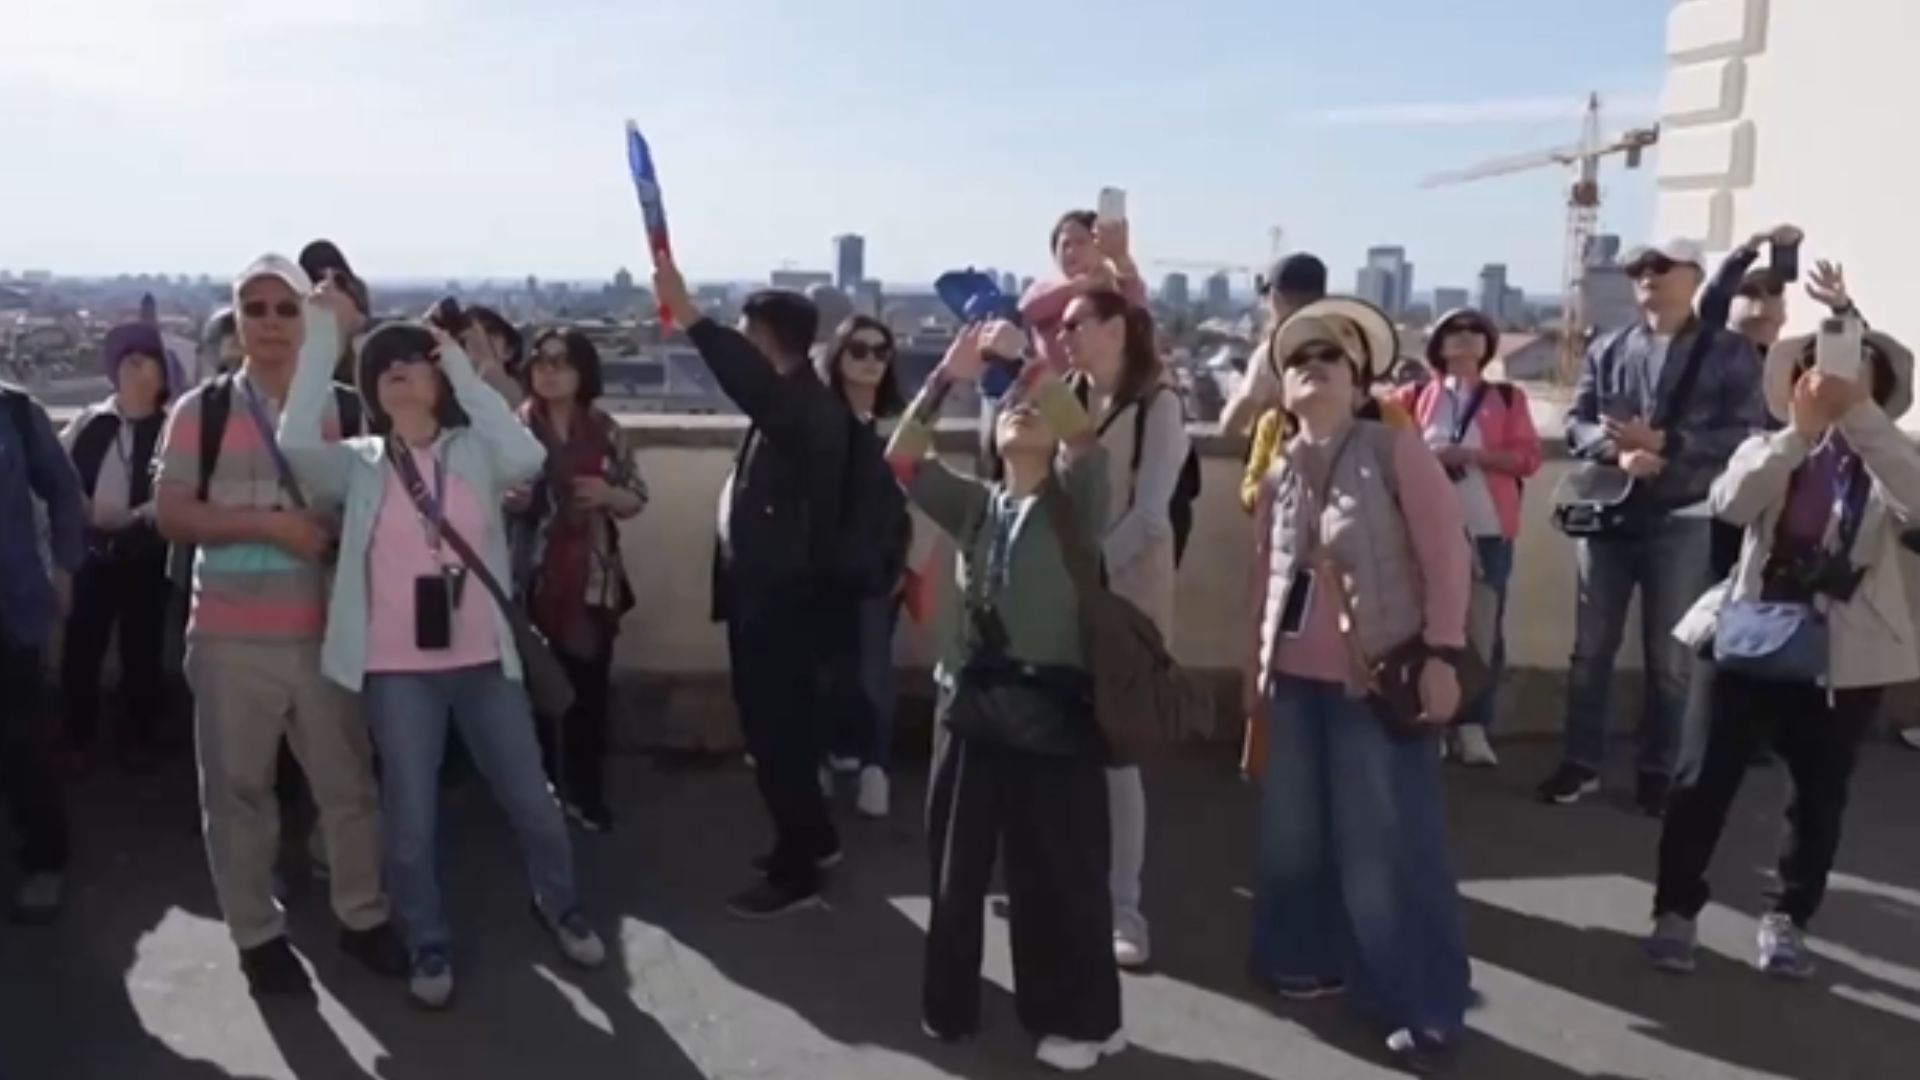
column 426, row 164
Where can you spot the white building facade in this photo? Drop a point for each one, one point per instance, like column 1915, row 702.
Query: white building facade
column 1800, row 111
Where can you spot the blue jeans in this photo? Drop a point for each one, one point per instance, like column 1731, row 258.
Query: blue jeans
column 1496, row 569
column 408, row 714
column 878, row 618
column 1353, row 884
column 1669, row 568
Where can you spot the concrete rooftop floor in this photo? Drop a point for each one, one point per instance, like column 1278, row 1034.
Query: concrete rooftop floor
column 138, row 980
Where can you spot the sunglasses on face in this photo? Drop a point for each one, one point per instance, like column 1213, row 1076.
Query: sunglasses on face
column 863, row 350
column 258, row 309
column 1318, row 354
column 1651, row 268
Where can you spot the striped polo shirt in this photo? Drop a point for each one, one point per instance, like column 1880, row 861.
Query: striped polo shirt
column 252, row 591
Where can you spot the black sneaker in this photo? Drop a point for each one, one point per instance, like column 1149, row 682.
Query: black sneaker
column 768, row 900
column 1651, row 794
column 1568, row 785
column 379, row 950
column 273, row 970
column 763, row 863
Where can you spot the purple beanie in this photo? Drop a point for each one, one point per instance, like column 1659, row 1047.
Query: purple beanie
column 140, row 338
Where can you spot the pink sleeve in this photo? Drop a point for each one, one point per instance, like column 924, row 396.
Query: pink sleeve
column 1439, row 534
column 1135, row 290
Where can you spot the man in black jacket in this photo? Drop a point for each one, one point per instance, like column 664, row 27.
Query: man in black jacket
column 779, row 525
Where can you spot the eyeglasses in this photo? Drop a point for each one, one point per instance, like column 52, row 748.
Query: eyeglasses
column 1323, row 354
column 1659, row 267
column 257, row 309
column 864, row 350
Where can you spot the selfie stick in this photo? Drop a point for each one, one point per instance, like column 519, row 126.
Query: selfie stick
column 646, row 184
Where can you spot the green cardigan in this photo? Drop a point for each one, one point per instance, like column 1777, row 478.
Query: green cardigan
column 493, row 454
column 1037, row 602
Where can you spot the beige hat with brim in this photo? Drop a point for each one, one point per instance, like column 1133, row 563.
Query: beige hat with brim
column 1360, row 329
column 1776, row 378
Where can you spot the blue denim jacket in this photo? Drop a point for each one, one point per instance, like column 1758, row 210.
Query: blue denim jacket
column 33, row 465
column 1725, row 407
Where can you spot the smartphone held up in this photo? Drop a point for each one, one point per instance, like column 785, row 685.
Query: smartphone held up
column 1112, row 205
column 1839, row 347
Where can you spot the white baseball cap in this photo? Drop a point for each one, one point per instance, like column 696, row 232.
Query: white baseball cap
column 1678, row 250
column 274, row 266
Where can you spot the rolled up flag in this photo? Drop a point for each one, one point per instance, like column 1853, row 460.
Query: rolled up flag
column 646, row 185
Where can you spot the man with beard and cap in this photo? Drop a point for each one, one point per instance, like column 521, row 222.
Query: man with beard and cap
column 253, row 661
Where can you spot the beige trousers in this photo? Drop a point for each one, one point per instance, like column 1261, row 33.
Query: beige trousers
column 247, row 695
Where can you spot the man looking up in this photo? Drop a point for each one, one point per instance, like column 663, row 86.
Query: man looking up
column 1292, row 283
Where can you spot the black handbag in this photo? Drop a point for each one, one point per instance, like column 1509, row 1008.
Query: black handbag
column 548, row 685
column 1029, row 708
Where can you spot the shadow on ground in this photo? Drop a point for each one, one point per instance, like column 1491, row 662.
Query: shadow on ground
column 139, row 982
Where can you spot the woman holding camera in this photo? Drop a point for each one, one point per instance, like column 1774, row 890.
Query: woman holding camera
column 1808, row 632
column 411, row 625
column 1361, row 552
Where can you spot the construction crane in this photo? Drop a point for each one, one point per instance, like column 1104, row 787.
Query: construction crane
column 1583, row 209
column 1202, row 264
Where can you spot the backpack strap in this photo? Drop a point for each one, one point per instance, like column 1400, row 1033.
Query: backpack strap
column 216, row 404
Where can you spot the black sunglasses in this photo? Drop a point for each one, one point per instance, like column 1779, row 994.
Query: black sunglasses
column 861, row 350
column 257, row 309
column 1659, row 267
column 1315, row 354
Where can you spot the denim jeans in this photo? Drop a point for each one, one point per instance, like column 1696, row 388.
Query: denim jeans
column 878, row 618
column 1352, row 881
column 1669, row 568
column 1496, row 569
column 409, row 714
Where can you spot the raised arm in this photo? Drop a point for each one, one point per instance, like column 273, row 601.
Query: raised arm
column 323, row 467
column 1716, row 302
column 513, row 454
column 1889, row 454
column 954, row 503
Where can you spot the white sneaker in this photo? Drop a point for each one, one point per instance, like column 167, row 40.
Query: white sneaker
column 876, row 793
column 577, row 940
column 842, row 764
column 1067, row 1055
column 1473, row 747
column 431, row 982
column 1131, row 950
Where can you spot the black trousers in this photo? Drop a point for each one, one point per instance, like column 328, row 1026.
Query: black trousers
column 27, row 773
column 133, row 594
column 1818, row 740
column 1047, row 818
column 776, row 656
column 574, row 749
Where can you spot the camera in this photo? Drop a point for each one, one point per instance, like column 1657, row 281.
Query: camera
column 1814, row 573
column 448, row 315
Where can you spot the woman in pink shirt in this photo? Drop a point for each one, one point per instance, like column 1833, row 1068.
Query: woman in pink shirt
column 1093, row 256
column 1483, row 433
column 1353, row 885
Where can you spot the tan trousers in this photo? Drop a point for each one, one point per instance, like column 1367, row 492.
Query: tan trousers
column 248, row 695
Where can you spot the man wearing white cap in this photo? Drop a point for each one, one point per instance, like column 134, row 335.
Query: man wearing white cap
column 253, row 654
column 1664, row 402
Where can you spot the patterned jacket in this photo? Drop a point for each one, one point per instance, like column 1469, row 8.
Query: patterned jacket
column 608, row 588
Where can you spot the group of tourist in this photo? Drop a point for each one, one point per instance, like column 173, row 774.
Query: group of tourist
column 390, row 531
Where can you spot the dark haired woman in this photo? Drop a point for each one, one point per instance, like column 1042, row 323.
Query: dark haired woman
column 1108, row 341
column 412, row 628
column 859, row 366
column 566, row 555
column 1483, row 433
column 1360, row 550
column 1092, row 256
column 124, row 580
column 1824, row 503
column 499, row 352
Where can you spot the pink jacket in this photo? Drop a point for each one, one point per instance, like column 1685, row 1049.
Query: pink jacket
column 1045, row 305
column 1503, row 429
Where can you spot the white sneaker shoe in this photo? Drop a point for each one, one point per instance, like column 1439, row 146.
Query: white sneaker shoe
column 1067, row 1055
column 1473, row 747
column 841, row 764
column 1131, row 950
column 876, row 792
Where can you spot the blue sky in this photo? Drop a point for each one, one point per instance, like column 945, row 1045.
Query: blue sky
column 482, row 137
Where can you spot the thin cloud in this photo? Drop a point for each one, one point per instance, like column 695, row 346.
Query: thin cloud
column 1488, row 111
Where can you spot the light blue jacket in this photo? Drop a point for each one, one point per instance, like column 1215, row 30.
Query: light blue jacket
column 494, row 453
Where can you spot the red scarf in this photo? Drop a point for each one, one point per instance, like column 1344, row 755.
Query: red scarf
column 559, row 605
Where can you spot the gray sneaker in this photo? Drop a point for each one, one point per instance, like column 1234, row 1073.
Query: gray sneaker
column 578, row 941
column 39, row 898
column 1670, row 946
column 431, row 982
column 1783, row 948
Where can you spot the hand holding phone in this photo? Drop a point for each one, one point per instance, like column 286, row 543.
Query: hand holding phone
column 1837, row 350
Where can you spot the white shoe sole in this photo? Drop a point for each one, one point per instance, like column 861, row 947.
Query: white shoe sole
column 1065, row 1056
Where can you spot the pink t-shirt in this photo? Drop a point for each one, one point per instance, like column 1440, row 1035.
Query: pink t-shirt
column 401, row 554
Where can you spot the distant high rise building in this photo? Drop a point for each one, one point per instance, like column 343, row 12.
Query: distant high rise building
column 1445, row 300
column 1219, row 294
column 1376, row 286
column 799, row 280
column 868, row 298
column 1513, row 308
column 623, row 281
column 1010, row 283
column 1393, row 282
column 849, row 261
column 1603, row 249
column 1026, row 285
column 1175, row 291
column 1493, row 290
